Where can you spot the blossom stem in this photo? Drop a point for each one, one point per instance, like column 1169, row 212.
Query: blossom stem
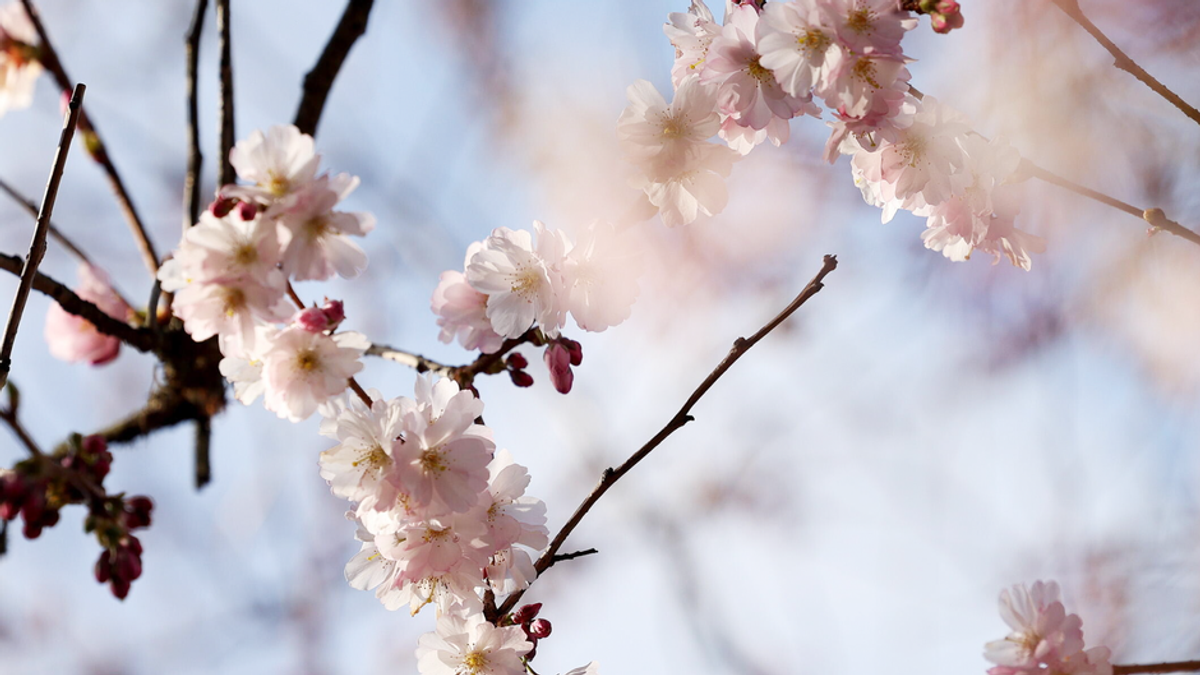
column 191, row 181
column 1122, row 61
column 681, row 418
column 415, row 361
column 319, row 80
column 1173, row 667
column 95, row 146
column 225, row 174
column 37, row 248
column 10, row 418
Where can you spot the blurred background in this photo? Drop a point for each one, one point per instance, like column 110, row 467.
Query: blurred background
column 854, row 494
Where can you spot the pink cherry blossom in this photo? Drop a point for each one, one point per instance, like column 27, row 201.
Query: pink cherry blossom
column 696, row 186
column 19, row 67
column 73, row 338
column 471, row 646
column 462, row 311
column 1045, row 640
column 316, row 242
column 521, row 285
column 279, row 164
column 798, row 43
column 863, row 25
column 302, row 370
column 649, row 127
column 690, row 33
column 601, row 277
column 356, row 468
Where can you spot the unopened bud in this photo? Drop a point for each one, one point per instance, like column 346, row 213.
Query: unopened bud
column 574, row 349
column 222, row 205
column 321, row 319
column 247, row 210
column 558, row 361
column 104, row 566
column 527, row 613
column 521, row 378
column 137, row 513
column 517, row 361
column 540, row 628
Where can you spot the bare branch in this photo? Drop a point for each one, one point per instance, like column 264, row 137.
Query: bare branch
column 1122, row 61
column 203, row 459
column 191, row 181
column 611, row 476
column 319, row 80
column 138, row 338
column 1175, row 667
column 225, row 174
column 414, row 361
column 95, row 146
column 37, row 249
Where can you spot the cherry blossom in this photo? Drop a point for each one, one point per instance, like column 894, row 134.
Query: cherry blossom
column 512, row 519
column 280, row 164
column 864, row 25
column 798, row 43
column 600, row 274
column 19, row 65
column 316, row 238
column 650, row 128
column 73, row 338
column 302, row 369
column 357, row 466
column 462, row 311
column 1045, row 640
column 471, row 646
column 521, row 284
column 691, row 33
column 233, row 310
column 696, row 187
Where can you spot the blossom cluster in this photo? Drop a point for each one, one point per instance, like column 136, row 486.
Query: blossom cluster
column 1045, row 640
column 231, row 274
column 743, row 80
column 442, row 517
column 516, row 279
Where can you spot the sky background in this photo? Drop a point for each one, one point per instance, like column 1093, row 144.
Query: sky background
column 852, row 495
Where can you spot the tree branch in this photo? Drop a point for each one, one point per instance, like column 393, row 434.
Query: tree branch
column 191, row 181
column 138, row 338
column 414, row 361
column 93, row 143
column 319, row 80
column 681, row 418
column 57, row 234
column 1123, row 62
column 203, row 459
column 37, row 248
column 1174, row 667
column 225, row 173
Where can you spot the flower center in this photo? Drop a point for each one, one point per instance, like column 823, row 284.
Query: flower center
column 865, row 70
column 912, row 149
column 374, row 459
column 813, row 42
column 278, row 185
column 235, row 300
column 860, row 21
column 245, row 255
column 307, row 360
column 758, row 72
column 525, row 282
column 316, row 228
column 432, row 460
column 475, row 662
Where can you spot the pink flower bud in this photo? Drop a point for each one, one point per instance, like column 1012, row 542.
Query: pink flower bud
column 521, row 378
column 222, row 205
column 575, row 349
column 321, row 319
column 558, row 360
column 540, row 629
column 517, row 361
column 247, row 210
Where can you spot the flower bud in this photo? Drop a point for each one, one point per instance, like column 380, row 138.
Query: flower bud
column 521, row 378
column 222, row 205
column 527, row 613
column 539, row 628
column 517, row 361
column 574, row 349
column 321, row 319
column 137, row 512
column 104, row 566
column 247, row 210
column 558, row 361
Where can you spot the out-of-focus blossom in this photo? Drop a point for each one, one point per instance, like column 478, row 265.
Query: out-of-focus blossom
column 462, row 311
column 280, row 164
column 1045, row 640
column 691, row 33
column 471, row 646
column 19, row 65
column 316, row 243
column 73, row 338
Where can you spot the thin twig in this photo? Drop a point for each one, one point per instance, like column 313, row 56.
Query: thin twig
column 138, row 338
column 1122, row 61
column 57, row 234
column 1174, row 667
column 577, row 554
column 319, row 80
column 95, row 146
column 191, row 181
column 681, row 418
column 225, row 174
column 10, row 418
column 203, row 460
column 414, row 361
column 37, row 249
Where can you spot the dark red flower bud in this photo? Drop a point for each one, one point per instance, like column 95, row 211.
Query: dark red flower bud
column 127, row 564
column 527, row 613
column 574, row 349
column 539, row 628
column 32, row 529
column 137, row 512
column 558, row 361
column 517, row 361
column 247, row 210
column 222, row 205
column 104, row 566
column 521, row 378
column 120, row 588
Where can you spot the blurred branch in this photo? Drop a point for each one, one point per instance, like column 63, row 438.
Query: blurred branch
column 203, row 443
column 681, row 418
column 191, row 181
column 319, row 80
column 225, row 174
column 37, row 248
column 57, row 234
column 577, row 554
column 138, row 338
column 1175, row 667
column 95, row 146
column 414, row 361
column 1122, row 61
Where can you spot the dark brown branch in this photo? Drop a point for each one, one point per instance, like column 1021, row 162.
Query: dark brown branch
column 203, row 459
column 465, row 374
column 138, row 338
column 1122, row 61
column 225, row 174
column 319, row 80
column 1174, row 667
column 191, row 181
column 37, row 248
column 414, row 361
column 577, row 554
column 681, row 418
column 95, row 146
